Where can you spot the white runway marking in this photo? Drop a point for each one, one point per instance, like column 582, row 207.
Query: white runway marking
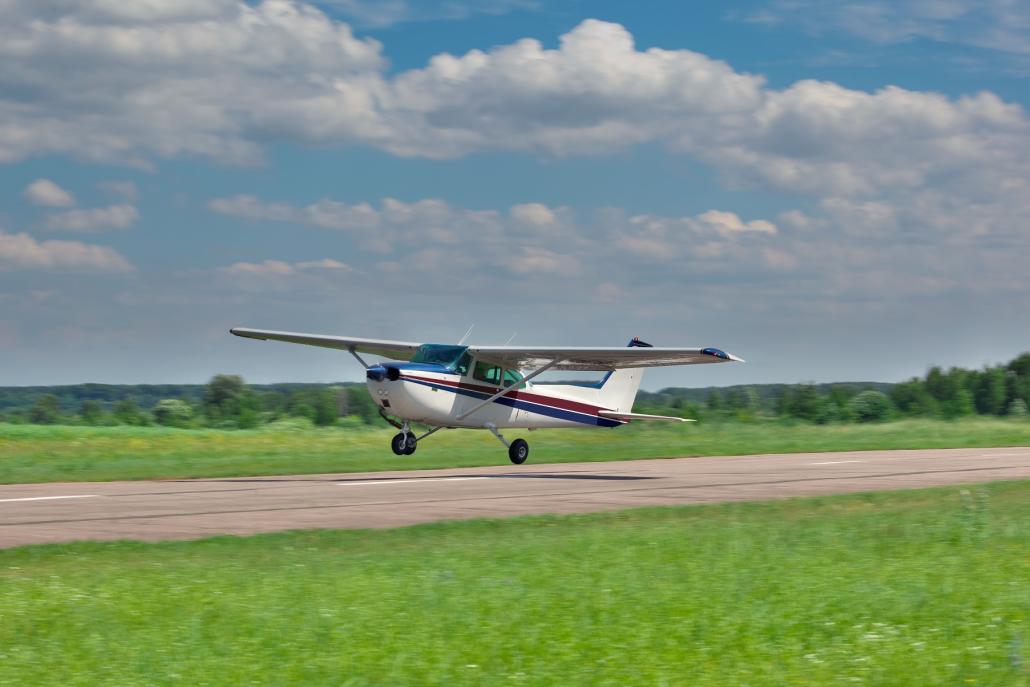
column 423, row 480
column 50, row 498
column 836, row 462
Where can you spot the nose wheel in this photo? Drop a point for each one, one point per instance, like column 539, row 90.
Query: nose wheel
column 404, row 444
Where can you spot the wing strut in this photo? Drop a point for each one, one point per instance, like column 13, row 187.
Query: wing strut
column 508, row 388
column 355, row 354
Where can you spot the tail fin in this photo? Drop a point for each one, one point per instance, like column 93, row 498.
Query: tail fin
column 619, row 388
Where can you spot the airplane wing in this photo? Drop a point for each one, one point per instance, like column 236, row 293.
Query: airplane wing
column 396, row 350
column 598, row 359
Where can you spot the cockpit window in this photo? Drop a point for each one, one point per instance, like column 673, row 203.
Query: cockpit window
column 440, row 354
column 513, row 377
column 485, row 372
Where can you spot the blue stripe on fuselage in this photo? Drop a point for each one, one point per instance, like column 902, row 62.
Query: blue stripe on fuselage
column 528, row 406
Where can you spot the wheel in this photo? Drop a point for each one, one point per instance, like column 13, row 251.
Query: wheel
column 518, row 451
column 399, row 444
column 410, row 445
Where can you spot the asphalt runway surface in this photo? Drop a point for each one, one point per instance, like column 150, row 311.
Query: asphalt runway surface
column 188, row 509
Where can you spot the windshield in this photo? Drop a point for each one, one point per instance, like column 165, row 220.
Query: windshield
column 439, row 354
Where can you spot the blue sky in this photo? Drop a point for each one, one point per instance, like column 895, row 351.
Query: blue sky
column 830, row 190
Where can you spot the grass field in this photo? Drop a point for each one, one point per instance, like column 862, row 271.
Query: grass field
column 908, row 588
column 36, row 453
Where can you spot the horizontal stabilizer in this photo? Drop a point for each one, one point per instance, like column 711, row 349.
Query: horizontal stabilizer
column 640, row 416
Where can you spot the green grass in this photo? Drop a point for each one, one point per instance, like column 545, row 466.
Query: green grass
column 926, row 587
column 33, row 453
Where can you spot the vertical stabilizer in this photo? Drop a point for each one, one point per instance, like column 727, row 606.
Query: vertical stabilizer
column 619, row 388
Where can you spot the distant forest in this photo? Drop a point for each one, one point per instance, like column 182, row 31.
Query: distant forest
column 228, row 402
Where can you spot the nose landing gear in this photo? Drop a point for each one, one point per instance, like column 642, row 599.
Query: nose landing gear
column 403, row 444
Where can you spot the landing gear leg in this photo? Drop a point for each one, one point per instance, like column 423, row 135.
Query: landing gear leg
column 518, row 450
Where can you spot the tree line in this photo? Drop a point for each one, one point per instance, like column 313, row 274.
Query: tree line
column 226, row 401
column 1001, row 390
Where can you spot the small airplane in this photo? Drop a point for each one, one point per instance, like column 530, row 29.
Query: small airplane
column 490, row 387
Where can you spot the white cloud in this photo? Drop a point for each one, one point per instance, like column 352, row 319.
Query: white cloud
column 728, row 223
column 703, row 236
column 22, row 252
column 435, row 247
column 537, row 260
column 109, row 80
column 535, row 214
column 323, row 264
column 48, row 194
column 428, row 221
column 280, row 268
column 320, row 278
column 104, row 83
column 93, row 219
column 121, row 189
column 249, row 207
column 103, row 80
column 1000, row 25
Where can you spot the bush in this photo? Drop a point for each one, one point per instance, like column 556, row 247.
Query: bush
column 1017, row 408
column 290, row 424
column 327, row 409
column 870, row 406
column 173, row 412
column 46, row 411
column 128, row 413
column 92, row 413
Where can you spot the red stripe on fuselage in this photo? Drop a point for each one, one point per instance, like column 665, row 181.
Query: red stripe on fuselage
column 540, row 399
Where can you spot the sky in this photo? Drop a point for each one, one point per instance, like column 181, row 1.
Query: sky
column 831, row 190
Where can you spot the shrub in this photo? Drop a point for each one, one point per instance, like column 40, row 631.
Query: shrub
column 128, row 413
column 870, row 406
column 173, row 412
column 46, row 411
column 92, row 413
column 1017, row 408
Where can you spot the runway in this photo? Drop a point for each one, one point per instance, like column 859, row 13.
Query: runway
column 188, row 509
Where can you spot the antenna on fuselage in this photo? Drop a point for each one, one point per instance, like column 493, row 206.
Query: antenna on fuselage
column 465, row 338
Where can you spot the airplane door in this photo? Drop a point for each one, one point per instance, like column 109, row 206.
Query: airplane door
column 486, row 378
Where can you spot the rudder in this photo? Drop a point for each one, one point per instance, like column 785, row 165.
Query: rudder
column 619, row 388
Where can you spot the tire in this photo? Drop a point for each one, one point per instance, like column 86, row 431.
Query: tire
column 518, row 452
column 398, row 444
column 410, row 446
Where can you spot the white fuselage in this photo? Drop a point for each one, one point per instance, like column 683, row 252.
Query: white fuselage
column 439, row 398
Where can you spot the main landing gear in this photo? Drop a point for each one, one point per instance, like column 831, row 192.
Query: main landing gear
column 518, row 450
column 405, row 443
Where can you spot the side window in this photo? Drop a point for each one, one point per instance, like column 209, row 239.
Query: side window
column 485, row 372
column 462, row 367
column 512, row 377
